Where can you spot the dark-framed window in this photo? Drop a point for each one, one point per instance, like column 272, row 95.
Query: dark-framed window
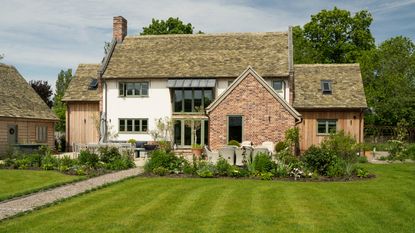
column 133, row 125
column 190, row 131
column 279, row 87
column 235, row 128
column 325, row 127
column 191, row 99
column 326, row 87
column 137, row 89
column 41, row 133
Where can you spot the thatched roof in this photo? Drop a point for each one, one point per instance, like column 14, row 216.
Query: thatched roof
column 18, row 98
column 78, row 89
column 347, row 86
column 200, row 55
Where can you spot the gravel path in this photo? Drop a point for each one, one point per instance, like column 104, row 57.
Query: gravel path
column 26, row 203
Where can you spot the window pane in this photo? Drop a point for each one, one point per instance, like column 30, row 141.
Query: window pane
column 144, row 125
column 178, row 98
column 197, row 100
column 321, row 127
column 178, row 133
column 278, row 85
column 187, row 100
column 137, row 88
column 326, row 86
column 235, row 128
column 137, row 125
column 206, row 142
column 130, row 88
column 121, row 89
column 332, row 126
column 198, row 131
column 122, row 125
column 129, row 125
column 188, row 133
column 144, row 88
column 208, row 97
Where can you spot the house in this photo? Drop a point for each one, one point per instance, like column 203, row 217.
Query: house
column 25, row 119
column 221, row 87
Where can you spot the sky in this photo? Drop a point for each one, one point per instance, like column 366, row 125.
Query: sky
column 42, row 37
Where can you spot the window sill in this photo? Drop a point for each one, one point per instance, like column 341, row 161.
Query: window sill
column 136, row 132
column 134, row 96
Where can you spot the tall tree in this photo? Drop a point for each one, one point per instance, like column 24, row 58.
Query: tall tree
column 170, row 26
column 44, row 90
column 64, row 78
column 389, row 80
column 333, row 36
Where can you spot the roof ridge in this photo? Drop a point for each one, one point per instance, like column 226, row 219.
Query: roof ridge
column 207, row 35
column 332, row 64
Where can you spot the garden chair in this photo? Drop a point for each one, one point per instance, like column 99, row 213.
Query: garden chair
column 228, row 153
column 258, row 150
column 269, row 145
column 242, row 154
column 211, row 156
column 246, row 143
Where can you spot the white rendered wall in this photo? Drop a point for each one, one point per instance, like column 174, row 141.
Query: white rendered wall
column 156, row 105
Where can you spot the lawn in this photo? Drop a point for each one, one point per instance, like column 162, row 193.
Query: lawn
column 383, row 204
column 18, row 182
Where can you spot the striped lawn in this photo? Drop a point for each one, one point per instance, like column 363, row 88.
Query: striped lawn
column 384, row 204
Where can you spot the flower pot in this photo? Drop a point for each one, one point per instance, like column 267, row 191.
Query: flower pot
column 197, row 152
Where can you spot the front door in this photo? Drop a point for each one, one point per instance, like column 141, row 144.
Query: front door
column 235, row 126
column 12, row 134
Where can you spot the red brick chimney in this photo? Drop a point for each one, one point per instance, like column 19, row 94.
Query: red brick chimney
column 119, row 28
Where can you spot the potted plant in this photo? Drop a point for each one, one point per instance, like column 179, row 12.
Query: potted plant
column 197, row 150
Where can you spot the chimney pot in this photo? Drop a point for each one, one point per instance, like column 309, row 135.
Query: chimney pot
column 119, row 28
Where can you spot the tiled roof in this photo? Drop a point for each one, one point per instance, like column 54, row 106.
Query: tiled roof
column 199, row 55
column 18, row 99
column 78, row 89
column 347, row 86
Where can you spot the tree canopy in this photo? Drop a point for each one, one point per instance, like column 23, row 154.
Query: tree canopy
column 44, row 90
column 333, row 36
column 64, row 78
column 170, row 26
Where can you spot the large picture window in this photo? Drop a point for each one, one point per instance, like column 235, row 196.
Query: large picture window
column 133, row 125
column 191, row 100
column 190, row 131
column 133, row 89
column 325, row 127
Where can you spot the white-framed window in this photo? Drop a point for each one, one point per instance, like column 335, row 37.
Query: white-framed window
column 326, row 88
column 133, row 125
column 137, row 89
column 325, row 127
column 279, row 87
column 41, row 133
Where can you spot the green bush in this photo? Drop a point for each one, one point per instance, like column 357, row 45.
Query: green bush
column 161, row 171
column 342, row 145
column 362, row 173
column 168, row 160
column 88, row 158
column 266, row 175
column 318, row 159
column 263, row 163
column 336, row 169
column 35, row 159
column 410, row 152
column 23, row 163
column 205, row 169
column 362, row 159
column 280, row 146
column 234, row 171
column 222, row 167
column 109, row 154
column 120, row 164
column 234, row 143
column 165, row 145
column 49, row 162
column 282, row 169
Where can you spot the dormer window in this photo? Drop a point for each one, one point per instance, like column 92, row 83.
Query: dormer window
column 93, row 85
column 279, row 87
column 326, row 87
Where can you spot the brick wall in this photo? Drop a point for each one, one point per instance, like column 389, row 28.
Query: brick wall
column 265, row 119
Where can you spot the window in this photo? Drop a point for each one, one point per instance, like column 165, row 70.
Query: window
column 133, row 125
column 235, row 128
column 326, row 87
column 93, row 85
column 326, row 126
column 190, row 131
column 191, row 100
column 279, row 87
column 41, row 133
column 133, row 89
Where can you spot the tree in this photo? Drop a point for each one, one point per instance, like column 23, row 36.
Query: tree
column 170, row 26
column 64, row 78
column 44, row 90
column 333, row 36
column 389, row 80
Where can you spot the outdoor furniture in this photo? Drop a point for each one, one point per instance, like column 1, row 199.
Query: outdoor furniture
column 243, row 154
column 269, row 145
column 211, row 156
column 258, row 150
column 246, row 143
column 228, row 153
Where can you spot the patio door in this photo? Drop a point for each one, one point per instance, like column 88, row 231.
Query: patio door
column 235, row 128
column 12, row 134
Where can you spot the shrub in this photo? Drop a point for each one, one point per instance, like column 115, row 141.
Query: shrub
column 362, row 159
column 188, row 169
column 342, row 145
column 35, row 159
column 263, row 163
column 266, row 175
column 49, row 162
column 165, row 145
column 234, row 143
column 362, row 173
column 205, row 169
column 282, row 170
column 161, row 171
column 109, row 154
column 279, row 146
column 410, row 152
column 23, row 163
column 168, row 160
column 318, row 159
column 222, row 167
column 88, row 158
column 234, row 171
column 336, row 169
column 132, row 141
column 396, row 149
column 121, row 163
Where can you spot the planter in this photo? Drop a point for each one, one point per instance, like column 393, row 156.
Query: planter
column 197, row 152
column 150, row 147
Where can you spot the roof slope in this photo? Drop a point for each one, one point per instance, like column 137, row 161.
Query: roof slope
column 347, row 86
column 199, row 55
column 18, row 98
column 78, row 87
